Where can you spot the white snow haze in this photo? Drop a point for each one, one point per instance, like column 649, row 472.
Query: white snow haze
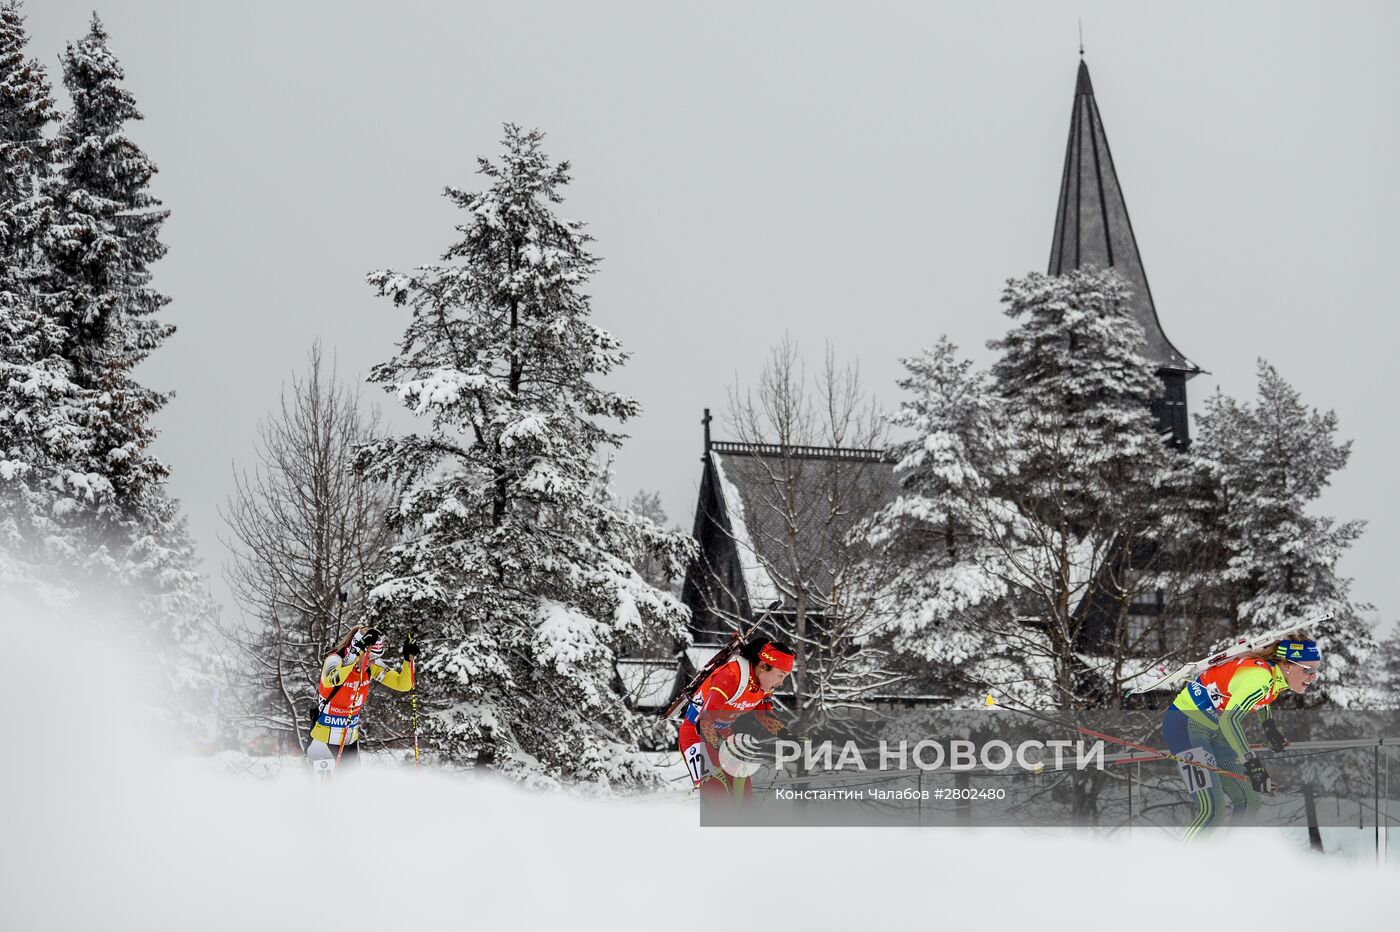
column 109, row 827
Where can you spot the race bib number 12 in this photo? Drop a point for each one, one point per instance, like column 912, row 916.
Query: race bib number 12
column 697, row 762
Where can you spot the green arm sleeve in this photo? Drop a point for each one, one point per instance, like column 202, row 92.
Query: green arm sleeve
column 1248, row 688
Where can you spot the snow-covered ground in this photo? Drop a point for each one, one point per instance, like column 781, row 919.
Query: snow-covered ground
column 105, row 830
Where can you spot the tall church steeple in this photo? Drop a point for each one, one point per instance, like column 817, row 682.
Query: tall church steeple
column 1092, row 229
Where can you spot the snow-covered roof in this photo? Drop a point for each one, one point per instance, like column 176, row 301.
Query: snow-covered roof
column 752, row 480
column 1082, row 564
column 700, row 654
column 647, row 684
column 1133, row 667
column 758, row 583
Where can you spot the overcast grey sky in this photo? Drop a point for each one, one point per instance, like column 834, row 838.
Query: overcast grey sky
column 865, row 174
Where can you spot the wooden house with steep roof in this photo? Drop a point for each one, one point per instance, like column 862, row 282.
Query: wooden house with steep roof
column 768, row 520
column 782, row 524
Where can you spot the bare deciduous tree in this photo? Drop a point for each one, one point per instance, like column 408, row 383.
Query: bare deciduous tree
column 816, row 467
column 305, row 530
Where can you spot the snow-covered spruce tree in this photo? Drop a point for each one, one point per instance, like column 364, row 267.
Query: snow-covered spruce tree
column 43, row 440
column 1388, row 685
column 1102, row 504
column 514, row 573
column 107, row 235
column 27, row 109
column 99, row 248
column 1269, row 462
column 42, row 437
column 1046, row 505
column 1098, row 495
column 955, row 630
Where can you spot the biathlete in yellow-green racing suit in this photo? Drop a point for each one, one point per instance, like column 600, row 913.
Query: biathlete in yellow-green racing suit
column 1204, row 725
column 346, row 677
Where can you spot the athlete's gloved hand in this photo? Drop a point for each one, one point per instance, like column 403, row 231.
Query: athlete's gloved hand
column 373, row 636
column 748, row 725
column 1258, row 776
column 770, row 722
column 410, row 648
column 705, row 724
column 1273, row 737
column 355, row 648
column 762, row 726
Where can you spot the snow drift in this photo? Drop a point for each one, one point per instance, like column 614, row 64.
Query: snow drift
column 107, row 829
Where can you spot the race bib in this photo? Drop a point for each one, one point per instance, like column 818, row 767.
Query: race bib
column 1207, row 699
column 697, row 762
column 337, row 720
column 1198, row 778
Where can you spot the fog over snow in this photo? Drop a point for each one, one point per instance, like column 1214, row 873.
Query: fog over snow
column 107, row 827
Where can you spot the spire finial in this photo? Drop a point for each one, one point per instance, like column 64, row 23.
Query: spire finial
column 1081, row 38
column 706, row 422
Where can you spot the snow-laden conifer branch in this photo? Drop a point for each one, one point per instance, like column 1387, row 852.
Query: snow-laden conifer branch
column 521, row 579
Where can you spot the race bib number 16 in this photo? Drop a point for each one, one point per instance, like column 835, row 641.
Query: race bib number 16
column 1197, row 777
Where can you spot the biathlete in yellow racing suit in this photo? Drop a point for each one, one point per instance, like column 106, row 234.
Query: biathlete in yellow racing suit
column 1204, row 725
column 346, row 677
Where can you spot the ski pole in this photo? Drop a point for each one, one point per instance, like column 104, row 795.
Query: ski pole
column 992, row 703
column 413, row 699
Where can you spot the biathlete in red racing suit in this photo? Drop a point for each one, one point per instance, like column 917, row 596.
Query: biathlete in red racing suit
column 744, row 686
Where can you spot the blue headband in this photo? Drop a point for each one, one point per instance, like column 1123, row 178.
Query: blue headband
column 1298, row 650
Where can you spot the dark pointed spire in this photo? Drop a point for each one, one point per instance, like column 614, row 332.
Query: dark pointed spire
column 1082, row 85
column 1092, row 226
